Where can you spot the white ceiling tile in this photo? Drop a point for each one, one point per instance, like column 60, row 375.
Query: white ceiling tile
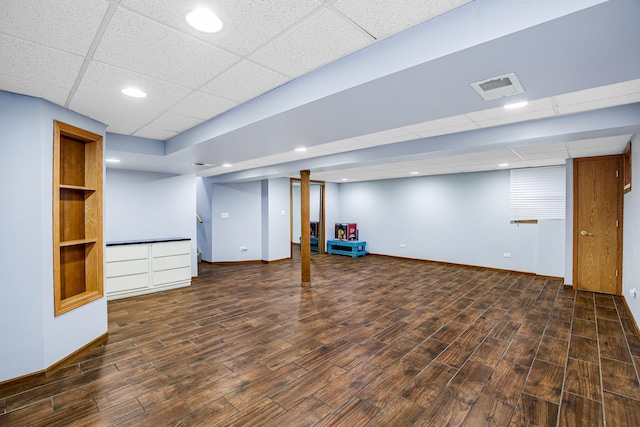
column 153, row 133
column 174, row 122
column 316, row 41
column 49, row 22
column 244, row 21
column 555, row 161
column 383, row 18
column 604, row 142
column 494, row 156
column 537, row 109
column 141, row 45
column 601, row 103
column 564, row 154
column 54, row 94
column 107, row 81
column 203, row 106
column 595, row 95
column 118, row 116
column 541, row 148
column 20, row 58
column 442, row 126
column 244, row 81
column 343, row 145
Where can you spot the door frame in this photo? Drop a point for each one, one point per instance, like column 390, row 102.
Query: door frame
column 321, row 232
column 620, row 211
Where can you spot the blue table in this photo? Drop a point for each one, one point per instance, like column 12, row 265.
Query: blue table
column 353, row 248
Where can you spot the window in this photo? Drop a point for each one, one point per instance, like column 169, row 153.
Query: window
column 537, row 193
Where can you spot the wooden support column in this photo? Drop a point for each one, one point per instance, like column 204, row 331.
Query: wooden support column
column 305, row 234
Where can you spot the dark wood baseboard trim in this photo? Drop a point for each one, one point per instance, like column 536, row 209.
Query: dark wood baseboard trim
column 252, row 261
column 463, row 265
column 67, row 360
column 39, row 375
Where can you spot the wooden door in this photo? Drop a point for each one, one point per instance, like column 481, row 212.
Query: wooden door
column 597, row 228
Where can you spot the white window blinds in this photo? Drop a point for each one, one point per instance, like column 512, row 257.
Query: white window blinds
column 537, row 193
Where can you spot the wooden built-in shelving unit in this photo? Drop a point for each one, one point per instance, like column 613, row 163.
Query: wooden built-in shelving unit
column 77, row 217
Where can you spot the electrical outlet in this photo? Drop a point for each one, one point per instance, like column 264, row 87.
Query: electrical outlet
column 402, row 245
column 633, row 292
column 507, row 254
column 243, row 248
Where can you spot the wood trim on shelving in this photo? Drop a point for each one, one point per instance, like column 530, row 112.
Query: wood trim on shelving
column 77, row 217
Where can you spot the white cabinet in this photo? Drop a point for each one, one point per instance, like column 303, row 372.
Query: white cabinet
column 137, row 268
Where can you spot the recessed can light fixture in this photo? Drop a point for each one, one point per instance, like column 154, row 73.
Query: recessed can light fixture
column 516, row 105
column 111, row 160
column 415, row 173
column 301, row 149
column 133, row 92
column 226, row 165
column 204, row 20
column 503, row 165
column 344, row 179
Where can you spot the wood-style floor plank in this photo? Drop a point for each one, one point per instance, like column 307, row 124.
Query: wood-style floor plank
column 374, row 341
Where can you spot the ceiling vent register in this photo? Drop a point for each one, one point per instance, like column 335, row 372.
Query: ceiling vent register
column 498, row 87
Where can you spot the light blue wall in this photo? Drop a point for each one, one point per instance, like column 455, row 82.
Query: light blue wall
column 148, row 205
column 461, row 218
column 331, row 209
column 276, row 217
column 243, row 227
column 203, row 205
column 631, row 238
column 35, row 339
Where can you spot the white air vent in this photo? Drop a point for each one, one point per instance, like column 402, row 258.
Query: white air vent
column 498, row 87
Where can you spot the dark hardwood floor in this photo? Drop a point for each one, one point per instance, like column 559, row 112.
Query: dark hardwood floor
column 375, row 341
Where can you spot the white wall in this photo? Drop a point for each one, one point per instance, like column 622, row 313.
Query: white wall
column 331, row 209
column 631, row 238
column 149, row 205
column 461, row 218
column 33, row 338
column 243, row 227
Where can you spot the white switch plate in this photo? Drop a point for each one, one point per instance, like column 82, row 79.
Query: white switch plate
column 224, row 214
column 282, row 212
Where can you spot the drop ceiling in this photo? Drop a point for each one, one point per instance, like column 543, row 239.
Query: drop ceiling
column 372, row 89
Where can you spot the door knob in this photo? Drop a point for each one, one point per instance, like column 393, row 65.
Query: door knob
column 586, row 233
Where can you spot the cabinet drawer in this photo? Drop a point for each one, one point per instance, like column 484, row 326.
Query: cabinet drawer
column 171, row 276
column 171, row 248
column 171, row 262
column 127, row 252
column 127, row 283
column 124, row 268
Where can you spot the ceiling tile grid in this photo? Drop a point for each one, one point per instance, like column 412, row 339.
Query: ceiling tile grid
column 244, row 81
column 22, row 59
column 146, row 47
column 315, row 41
column 48, row 22
column 201, row 105
column 105, row 81
column 383, row 18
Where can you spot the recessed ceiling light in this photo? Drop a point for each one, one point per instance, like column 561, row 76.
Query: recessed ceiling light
column 503, row 165
column 415, row 173
column 204, row 20
column 112, row 160
column 301, row 149
column 133, row 92
column 516, row 105
column 344, row 179
column 226, row 165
